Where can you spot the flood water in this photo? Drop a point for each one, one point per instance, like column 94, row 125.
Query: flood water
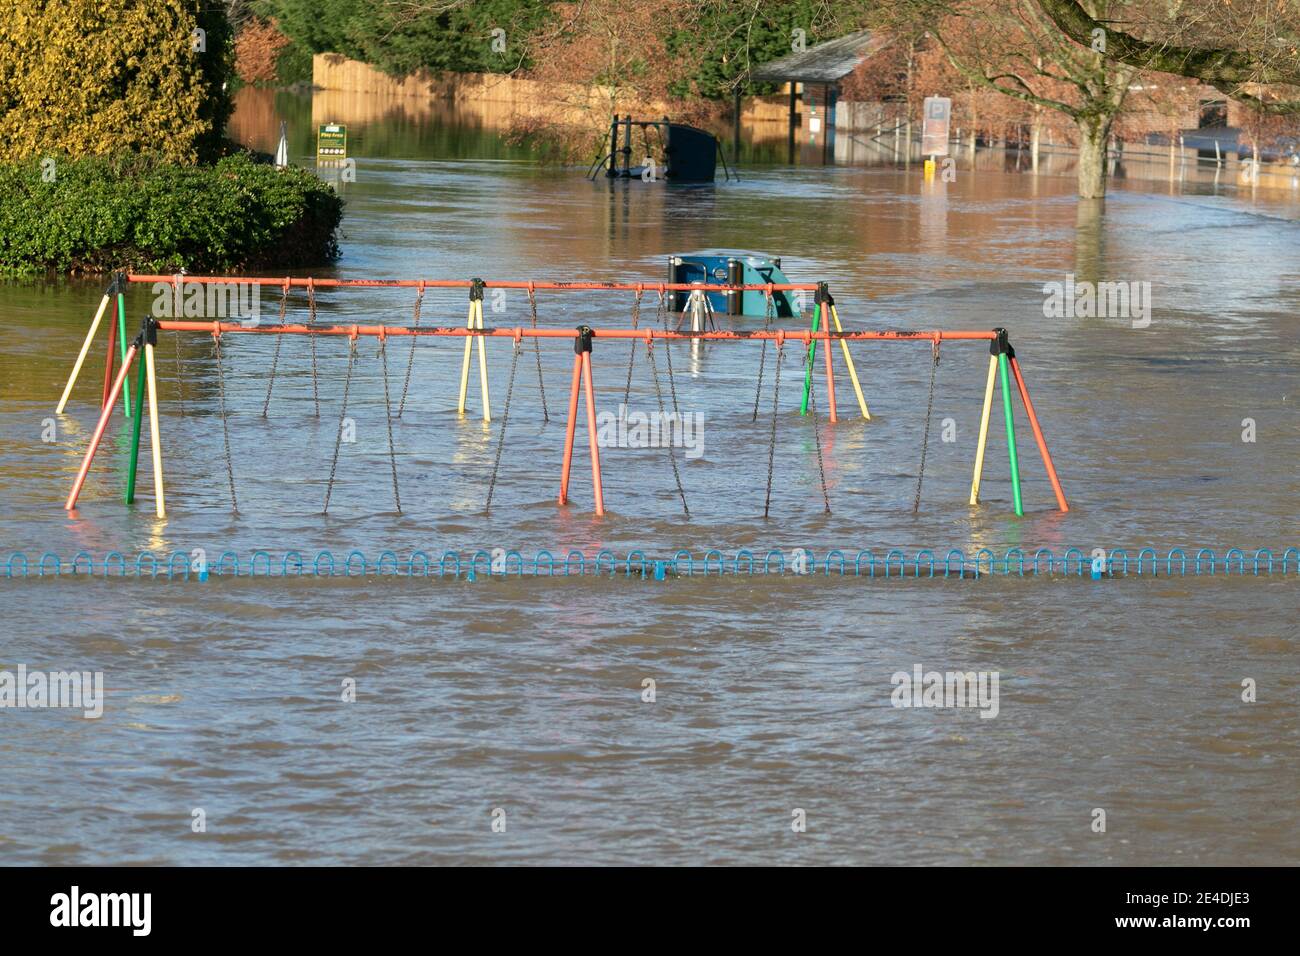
column 771, row 693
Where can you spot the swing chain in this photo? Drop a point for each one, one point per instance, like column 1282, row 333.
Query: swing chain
column 279, row 340
column 505, row 420
column 410, row 359
column 771, row 446
column 311, row 320
column 388, row 419
column 672, row 379
column 180, row 375
column 176, row 342
column 672, row 455
column 631, row 355
column 925, row 440
column 537, row 351
column 762, row 355
column 817, row 432
column 225, row 423
column 343, row 411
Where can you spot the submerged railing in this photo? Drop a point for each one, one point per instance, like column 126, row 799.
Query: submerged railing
column 471, row 565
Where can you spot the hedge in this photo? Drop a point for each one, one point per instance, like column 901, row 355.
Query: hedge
column 143, row 213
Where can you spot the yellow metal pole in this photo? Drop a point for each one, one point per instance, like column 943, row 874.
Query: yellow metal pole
column 154, row 438
column 482, row 364
column 848, row 360
column 85, row 349
column 984, row 430
column 464, row 366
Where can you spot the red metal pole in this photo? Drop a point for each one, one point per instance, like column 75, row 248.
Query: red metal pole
column 1038, row 435
column 591, row 433
column 108, row 362
column 568, row 433
column 493, row 283
column 395, row 331
column 104, row 415
column 830, row 376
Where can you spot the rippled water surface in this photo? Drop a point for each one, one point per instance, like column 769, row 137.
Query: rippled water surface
column 771, row 693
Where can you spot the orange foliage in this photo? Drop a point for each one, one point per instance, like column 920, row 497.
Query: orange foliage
column 602, row 58
column 257, row 49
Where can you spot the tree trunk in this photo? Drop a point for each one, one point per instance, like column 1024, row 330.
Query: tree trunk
column 911, row 55
column 974, row 122
column 1173, row 139
column 1094, row 134
column 1038, row 122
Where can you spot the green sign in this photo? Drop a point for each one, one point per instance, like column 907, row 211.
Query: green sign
column 332, row 141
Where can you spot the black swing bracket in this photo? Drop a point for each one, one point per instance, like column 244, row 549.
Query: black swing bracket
column 148, row 332
column 1001, row 345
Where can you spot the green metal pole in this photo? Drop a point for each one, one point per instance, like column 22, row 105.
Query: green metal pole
column 812, row 354
column 121, row 347
column 1003, row 369
column 135, row 431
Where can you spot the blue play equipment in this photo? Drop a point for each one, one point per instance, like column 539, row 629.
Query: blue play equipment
column 732, row 268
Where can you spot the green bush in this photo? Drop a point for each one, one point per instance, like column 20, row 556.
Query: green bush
column 402, row 38
column 293, row 65
column 727, row 39
column 141, row 213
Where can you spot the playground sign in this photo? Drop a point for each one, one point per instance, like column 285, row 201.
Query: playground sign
column 332, row 141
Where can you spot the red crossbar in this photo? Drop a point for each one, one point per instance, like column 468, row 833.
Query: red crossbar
column 383, row 331
column 487, row 284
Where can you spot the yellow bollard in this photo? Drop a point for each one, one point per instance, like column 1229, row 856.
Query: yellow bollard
column 848, row 360
column 464, row 367
column 154, row 439
column 482, row 364
column 984, row 430
column 85, row 349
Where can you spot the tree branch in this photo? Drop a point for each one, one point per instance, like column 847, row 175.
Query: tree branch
column 980, row 78
column 1226, row 70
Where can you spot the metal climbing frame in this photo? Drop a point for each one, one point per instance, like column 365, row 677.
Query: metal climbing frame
column 1002, row 363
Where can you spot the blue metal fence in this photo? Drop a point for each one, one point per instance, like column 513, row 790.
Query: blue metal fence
column 499, row 563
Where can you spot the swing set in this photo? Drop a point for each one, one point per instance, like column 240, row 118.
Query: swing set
column 1002, row 366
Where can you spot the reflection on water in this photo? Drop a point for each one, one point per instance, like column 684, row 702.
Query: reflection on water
column 773, row 692
column 407, row 127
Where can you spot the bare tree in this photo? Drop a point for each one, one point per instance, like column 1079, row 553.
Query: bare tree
column 1170, row 101
column 1234, row 47
column 238, row 12
column 602, row 58
column 1011, row 47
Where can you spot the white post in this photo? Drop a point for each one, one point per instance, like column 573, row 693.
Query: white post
column 698, row 305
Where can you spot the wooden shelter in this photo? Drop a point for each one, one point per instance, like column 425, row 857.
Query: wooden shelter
column 820, row 69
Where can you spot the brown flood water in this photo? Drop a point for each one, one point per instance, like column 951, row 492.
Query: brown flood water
column 771, row 693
